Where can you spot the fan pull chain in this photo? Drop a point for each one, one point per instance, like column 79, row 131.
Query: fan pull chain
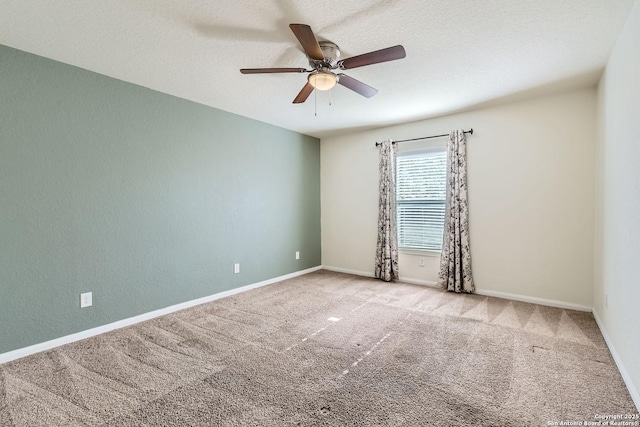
column 330, row 96
column 315, row 102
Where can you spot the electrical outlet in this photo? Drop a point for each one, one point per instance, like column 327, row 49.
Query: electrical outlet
column 297, row 255
column 86, row 300
column 236, row 268
column 421, row 262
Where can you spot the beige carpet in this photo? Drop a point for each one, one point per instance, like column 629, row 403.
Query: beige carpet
column 327, row 349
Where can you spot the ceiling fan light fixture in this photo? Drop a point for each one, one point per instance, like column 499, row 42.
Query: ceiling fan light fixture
column 322, row 80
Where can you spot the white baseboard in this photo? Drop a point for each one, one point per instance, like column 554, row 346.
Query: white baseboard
column 370, row 274
column 48, row 345
column 418, row 282
column 633, row 391
column 534, row 300
column 497, row 294
column 348, row 271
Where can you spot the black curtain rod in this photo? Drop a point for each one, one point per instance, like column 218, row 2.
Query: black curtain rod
column 470, row 131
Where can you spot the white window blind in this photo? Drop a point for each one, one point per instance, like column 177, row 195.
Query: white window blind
column 420, row 198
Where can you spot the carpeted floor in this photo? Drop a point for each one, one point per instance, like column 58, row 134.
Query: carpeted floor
column 327, row 349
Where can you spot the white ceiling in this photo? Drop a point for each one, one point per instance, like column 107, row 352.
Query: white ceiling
column 460, row 53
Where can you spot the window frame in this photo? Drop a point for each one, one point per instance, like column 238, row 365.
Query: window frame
column 413, row 152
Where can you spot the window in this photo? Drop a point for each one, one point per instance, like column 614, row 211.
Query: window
column 420, row 198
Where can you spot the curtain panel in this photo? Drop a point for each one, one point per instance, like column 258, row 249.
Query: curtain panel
column 386, row 267
column 455, row 260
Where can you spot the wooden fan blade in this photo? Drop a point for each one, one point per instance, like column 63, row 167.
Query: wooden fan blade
column 375, row 57
column 271, row 70
column 304, row 94
column 307, row 40
column 356, row 86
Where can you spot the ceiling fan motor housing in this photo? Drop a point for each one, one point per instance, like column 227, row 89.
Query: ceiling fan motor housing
column 331, row 53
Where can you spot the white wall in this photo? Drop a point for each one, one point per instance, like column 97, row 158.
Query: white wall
column 531, row 174
column 617, row 213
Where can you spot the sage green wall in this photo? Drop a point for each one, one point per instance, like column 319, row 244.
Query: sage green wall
column 142, row 198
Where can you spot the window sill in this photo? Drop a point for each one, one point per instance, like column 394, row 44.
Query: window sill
column 419, row 252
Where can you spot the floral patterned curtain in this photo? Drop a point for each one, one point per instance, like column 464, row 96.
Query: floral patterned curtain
column 387, row 247
column 455, row 261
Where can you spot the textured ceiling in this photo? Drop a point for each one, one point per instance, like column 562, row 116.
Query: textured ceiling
column 460, row 53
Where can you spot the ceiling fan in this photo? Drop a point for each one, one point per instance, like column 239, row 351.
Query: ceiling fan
column 324, row 57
